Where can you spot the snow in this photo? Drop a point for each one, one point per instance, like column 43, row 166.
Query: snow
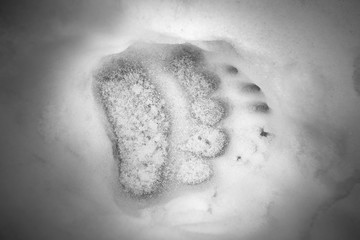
column 207, row 111
column 206, row 142
column 232, row 154
column 133, row 107
column 301, row 55
column 193, row 170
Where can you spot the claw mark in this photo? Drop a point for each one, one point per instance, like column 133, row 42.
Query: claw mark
column 263, row 133
column 251, row 88
column 231, row 70
column 260, row 107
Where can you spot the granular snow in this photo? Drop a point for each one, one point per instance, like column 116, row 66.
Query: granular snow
column 206, row 142
column 188, row 67
column 207, row 111
column 137, row 113
column 193, row 170
column 130, row 85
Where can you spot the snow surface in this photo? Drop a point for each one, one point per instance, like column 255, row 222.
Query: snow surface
column 282, row 170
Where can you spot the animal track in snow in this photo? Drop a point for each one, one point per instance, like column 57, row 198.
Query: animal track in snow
column 167, row 110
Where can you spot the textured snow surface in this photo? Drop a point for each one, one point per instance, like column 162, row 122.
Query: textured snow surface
column 140, row 123
column 133, row 99
column 288, row 170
